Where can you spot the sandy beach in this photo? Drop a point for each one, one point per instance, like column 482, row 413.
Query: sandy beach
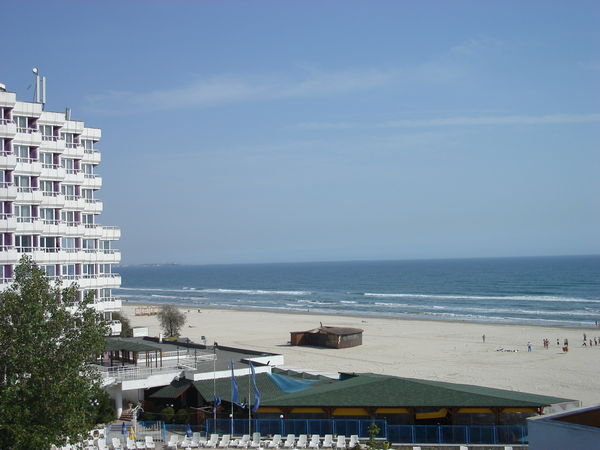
column 435, row 350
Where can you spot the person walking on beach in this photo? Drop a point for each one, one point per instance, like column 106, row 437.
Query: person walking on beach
column 483, row 338
column 529, row 346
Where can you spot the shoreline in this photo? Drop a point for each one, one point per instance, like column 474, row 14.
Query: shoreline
column 447, row 351
column 587, row 329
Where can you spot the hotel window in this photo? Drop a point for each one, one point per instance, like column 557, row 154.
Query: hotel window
column 88, row 194
column 47, row 160
column 25, row 124
column 105, row 293
column 88, row 170
column 47, row 188
column 105, row 246
column 105, row 269
column 89, row 245
column 5, row 146
column 49, row 244
column 50, row 270
column 23, row 153
column 88, row 145
column 69, row 271
column 23, row 183
column 24, row 243
column 69, row 191
column 5, row 178
column 89, row 271
column 5, row 241
column 68, row 164
column 88, row 220
column 24, row 213
column 49, row 132
column 48, row 216
column 70, row 140
column 69, row 218
column 5, row 116
column 68, row 244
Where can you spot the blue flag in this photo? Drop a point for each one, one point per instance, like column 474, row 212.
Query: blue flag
column 255, row 389
column 234, row 387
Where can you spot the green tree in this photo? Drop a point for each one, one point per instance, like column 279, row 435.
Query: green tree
column 171, row 320
column 126, row 330
column 48, row 391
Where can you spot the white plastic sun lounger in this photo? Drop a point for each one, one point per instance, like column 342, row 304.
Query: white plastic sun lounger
column 302, row 441
column 276, row 442
column 150, row 442
column 173, row 441
column 255, row 443
column 244, row 442
column 341, row 442
column 328, row 441
column 353, row 441
column 290, row 441
column 225, row 441
column 315, row 440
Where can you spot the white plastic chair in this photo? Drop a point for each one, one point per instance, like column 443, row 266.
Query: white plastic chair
column 290, row 441
column 315, row 440
column 150, row 442
column 302, row 441
column 353, row 441
column 186, row 442
column 116, row 443
column 225, row 441
column 197, row 440
column 341, row 442
column 276, row 442
column 328, row 441
column 244, row 442
column 173, row 441
column 255, row 443
column 131, row 444
column 213, row 441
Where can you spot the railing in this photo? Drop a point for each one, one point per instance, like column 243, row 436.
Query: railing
column 4, row 216
column 49, row 138
column 5, row 248
column 70, row 223
column 4, row 280
column 49, row 166
column 396, row 434
column 50, row 249
column 26, row 219
column 27, row 130
column 72, row 171
column 91, row 175
column 5, row 184
column 51, row 222
column 24, row 249
column 92, row 200
column 90, row 151
column 27, row 160
column 27, row 189
column 5, row 121
column 72, row 145
column 125, row 373
column 50, row 193
column 5, row 153
column 72, row 197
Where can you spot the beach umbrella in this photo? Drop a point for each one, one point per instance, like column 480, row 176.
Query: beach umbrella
column 131, row 434
column 188, row 430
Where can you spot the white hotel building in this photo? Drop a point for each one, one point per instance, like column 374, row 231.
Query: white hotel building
column 49, row 208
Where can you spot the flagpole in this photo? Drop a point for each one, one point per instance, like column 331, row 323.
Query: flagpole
column 214, row 385
column 249, row 404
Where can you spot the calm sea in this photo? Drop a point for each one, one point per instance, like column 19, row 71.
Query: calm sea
column 562, row 291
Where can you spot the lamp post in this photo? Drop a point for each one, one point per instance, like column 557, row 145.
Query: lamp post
column 281, row 425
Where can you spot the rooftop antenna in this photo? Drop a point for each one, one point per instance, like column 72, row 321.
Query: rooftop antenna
column 39, row 94
column 36, row 84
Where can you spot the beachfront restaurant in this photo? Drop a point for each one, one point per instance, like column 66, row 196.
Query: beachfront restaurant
column 405, row 409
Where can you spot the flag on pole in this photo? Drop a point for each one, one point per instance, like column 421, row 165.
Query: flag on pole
column 234, row 387
column 255, row 389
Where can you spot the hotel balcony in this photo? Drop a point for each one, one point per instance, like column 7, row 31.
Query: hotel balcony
column 73, row 151
column 92, row 181
column 28, row 136
column 8, row 222
column 54, row 143
column 53, row 199
column 74, row 202
column 8, row 191
column 73, row 176
column 8, row 128
column 110, row 233
column 101, row 280
column 108, row 256
column 30, row 225
column 9, row 255
column 92, row 231
column 29, row 195
column 7, row 160
column 28, row 167
column 107, row 304
column 52, row 172
column 93, row 205
column 91, row 156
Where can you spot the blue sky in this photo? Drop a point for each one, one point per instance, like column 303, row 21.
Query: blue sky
column 272, row 131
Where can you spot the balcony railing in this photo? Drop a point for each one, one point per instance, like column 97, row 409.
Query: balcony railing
column 50, row 222
column 5, row 248
column 23, row 219
column 5, row 184
column 28, row 189
column 4, row 216
column 49, row 166
column 72, row 145
column 72, row 171
column 50, row 193
column 27, row 130
column 90, row 151
column 27, row 160
column 50, row 138
column 5, row 121
column 72, row 197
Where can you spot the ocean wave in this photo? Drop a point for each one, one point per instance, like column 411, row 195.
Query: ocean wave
column 220, row 291
column 533, row 298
